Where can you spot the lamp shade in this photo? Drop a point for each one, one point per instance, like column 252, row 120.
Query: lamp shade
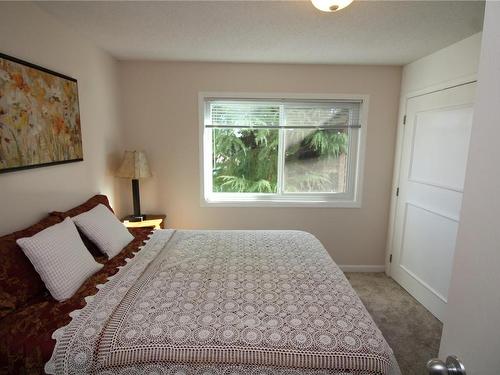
column 134, row 165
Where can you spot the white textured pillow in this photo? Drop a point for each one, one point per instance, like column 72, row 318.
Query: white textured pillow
column 104, row 229
column 60, row 258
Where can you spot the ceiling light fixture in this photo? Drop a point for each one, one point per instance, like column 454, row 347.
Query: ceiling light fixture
column 331, row 5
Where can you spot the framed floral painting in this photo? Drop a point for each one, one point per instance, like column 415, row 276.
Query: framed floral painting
column 39, row 117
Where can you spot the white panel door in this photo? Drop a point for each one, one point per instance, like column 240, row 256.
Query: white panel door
column 433, row 163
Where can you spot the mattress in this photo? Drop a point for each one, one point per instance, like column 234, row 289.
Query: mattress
column 224, row 302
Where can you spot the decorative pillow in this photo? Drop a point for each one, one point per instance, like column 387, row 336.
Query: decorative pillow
column 84, row 207
column 104, row 229
column 19, row 282
column 60, row 258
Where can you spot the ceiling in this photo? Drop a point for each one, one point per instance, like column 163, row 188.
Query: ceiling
column 367, row 32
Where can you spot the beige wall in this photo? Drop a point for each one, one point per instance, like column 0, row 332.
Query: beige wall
column 472, row 322
column 447, row 67
column 160, row 112
column 28, row 33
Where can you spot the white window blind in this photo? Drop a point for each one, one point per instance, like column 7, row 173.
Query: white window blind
column 243, row 114
column 290, row 114
column 322, row 115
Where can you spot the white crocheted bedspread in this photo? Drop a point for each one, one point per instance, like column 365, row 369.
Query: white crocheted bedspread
column 224, row 302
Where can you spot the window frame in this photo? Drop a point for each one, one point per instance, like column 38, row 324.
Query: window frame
column 350, row 199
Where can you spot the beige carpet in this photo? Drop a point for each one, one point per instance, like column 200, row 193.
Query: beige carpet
column 411, row 331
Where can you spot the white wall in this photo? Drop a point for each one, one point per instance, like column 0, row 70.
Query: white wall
column 160, row 104
column 449, row 66
column 460, row 60
column 472, row 323
column 30, row 34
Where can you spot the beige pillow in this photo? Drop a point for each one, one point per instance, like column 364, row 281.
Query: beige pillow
column 60, row 258
column 102, row 227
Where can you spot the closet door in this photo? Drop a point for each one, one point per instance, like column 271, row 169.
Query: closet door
column 434, row 158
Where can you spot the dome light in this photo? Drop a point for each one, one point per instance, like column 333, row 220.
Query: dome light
column 331, row 5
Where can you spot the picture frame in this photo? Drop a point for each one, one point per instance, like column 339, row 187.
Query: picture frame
column 39, row 116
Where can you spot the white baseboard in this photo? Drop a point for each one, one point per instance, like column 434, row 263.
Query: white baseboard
column 362, row 268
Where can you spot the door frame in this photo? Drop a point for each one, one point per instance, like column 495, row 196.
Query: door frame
column 399, row 153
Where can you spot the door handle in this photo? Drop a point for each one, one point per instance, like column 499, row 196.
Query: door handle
column 452, row 366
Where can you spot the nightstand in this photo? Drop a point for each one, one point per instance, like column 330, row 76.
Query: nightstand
column 150, row 221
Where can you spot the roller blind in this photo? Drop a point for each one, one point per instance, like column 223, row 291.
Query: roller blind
column 282, row 114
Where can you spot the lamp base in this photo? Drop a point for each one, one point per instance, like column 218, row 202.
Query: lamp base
column 136, row 198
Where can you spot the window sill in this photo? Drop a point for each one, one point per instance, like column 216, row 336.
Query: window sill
column 280, row 203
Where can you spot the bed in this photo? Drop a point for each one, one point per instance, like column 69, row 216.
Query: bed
column 203, row 302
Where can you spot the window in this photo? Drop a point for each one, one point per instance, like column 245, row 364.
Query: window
column 281, row 151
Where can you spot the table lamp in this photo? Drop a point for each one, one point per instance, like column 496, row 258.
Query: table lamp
column 134, row 165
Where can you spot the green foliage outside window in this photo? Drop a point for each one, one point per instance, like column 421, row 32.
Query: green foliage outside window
column 246, row 160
